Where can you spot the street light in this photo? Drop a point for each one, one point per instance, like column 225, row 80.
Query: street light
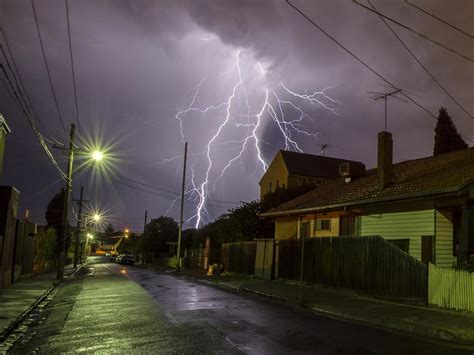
column 97, row 155
column 90, row 236
column 96, row 217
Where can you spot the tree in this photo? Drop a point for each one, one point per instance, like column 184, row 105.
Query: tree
column 159, row 231
column 447, row 138
column 108, row 233
column 54, row 211
column 45, row 246
column 54, row 219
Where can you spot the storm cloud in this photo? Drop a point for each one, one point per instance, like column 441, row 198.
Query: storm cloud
column 138, row 63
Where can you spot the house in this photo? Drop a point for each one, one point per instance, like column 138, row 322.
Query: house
column 292, row 169
column 424, row 206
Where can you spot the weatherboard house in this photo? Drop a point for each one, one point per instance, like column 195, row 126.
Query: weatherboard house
column 293, row 169
column 424, row 206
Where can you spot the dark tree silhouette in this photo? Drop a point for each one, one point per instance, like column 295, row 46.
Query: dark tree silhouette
column 54, row 218
column 447, row 138
column 54, row 211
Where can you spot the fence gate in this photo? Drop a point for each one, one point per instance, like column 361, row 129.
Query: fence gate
column 264, row 259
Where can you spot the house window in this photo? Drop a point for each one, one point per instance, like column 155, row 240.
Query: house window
column 323, row 225
column 403, row 244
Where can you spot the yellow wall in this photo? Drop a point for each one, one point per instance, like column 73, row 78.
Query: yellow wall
column 400, row 225
column 276, row 171
column 444, row 239
column 286, row 227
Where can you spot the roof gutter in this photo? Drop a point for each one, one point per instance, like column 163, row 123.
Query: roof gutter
column 368, row 201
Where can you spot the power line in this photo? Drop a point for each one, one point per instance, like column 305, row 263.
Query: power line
column 17, row 76
column 14, row 96
column 174, row 193
column 211, row 203
column 368, row 67
column 423, row 66
column 439, row 19
column 47, row 68
column 72, row 67
column 414, row 31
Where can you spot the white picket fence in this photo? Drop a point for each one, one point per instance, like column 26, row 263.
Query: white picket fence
column 450, row 288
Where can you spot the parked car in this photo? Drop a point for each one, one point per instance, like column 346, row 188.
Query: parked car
column 113, row 257
column 127, row 260
column 118, row 258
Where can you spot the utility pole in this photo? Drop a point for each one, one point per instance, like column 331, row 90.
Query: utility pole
column 144, row 236
column 180, row 230
column 78, row 253
column 62, row 246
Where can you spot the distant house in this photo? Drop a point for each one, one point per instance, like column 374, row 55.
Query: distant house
column 424, row 206
column 293, row 169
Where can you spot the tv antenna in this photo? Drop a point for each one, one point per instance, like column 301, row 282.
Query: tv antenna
column 323, row 147
column 385, row 96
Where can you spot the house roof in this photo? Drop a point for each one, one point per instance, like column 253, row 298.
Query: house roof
column 312, row 165
column 431, row 175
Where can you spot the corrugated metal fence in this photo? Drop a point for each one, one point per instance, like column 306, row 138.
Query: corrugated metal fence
column 450, row 288
column 239, row 257
column 368, row 264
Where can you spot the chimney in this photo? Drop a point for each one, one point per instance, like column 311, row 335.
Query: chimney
column 384, row 159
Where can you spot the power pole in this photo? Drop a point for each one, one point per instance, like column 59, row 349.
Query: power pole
column 144, row 236
column 62, row 245
column 180, row 230
column 78, row 253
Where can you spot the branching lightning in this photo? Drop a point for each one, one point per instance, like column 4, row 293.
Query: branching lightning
column 276, row 105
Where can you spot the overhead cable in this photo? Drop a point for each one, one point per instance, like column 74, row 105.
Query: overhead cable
column 415, row 32
column 368, row 67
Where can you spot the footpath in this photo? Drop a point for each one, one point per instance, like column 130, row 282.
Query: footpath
column 425, row 321
column 18, row 299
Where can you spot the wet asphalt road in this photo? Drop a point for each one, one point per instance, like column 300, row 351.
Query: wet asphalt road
column 108, row 311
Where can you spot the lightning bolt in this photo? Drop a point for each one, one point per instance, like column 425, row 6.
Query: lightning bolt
column 276, row 104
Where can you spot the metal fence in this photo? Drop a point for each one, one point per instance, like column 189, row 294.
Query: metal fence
column 239, row 257
column 368, row 264
column 450, row 288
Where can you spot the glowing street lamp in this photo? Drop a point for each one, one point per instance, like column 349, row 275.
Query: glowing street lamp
column 126, row 232
column 90, row 236
column 97, row 155
column 96, row 217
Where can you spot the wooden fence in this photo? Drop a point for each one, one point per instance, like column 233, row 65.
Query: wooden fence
column 368, row 264
column 239, row 257
column 450, row 288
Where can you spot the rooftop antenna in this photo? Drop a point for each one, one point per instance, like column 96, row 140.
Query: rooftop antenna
column 323, row 147
column 385, row 96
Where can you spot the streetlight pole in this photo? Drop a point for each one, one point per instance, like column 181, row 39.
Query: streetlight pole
column 180, row 230
column 62, row 244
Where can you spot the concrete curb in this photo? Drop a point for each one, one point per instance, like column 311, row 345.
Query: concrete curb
column 402, row 327
column 14, row 324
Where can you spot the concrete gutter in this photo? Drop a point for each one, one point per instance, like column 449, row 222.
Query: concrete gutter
column 14, row 324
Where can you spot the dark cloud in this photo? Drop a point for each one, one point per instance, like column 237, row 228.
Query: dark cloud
column 138, row 63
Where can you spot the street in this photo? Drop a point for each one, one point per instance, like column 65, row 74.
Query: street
column 123, row 309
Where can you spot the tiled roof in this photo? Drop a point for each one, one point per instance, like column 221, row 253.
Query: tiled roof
column 445, row 171
column 312, row 165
